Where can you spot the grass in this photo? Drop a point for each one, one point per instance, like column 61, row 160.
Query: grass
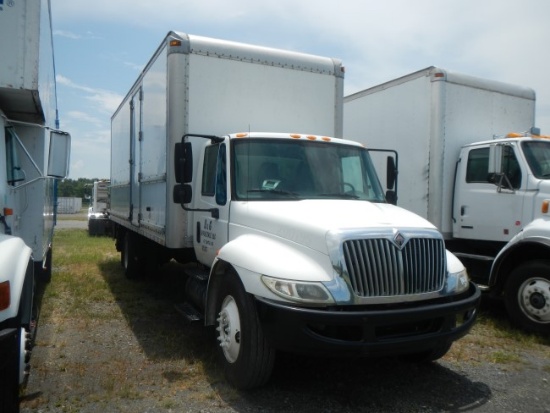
column 104, row 330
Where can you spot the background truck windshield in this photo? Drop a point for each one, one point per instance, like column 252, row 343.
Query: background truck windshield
column 537, row 154
column 277, row 169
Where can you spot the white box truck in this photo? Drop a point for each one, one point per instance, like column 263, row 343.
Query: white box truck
column 33, row 154
column 487, row 190
column 98, row 215
column 286, row 236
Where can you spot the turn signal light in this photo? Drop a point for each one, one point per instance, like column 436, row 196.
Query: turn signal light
column 544, row 208
column 5, row 295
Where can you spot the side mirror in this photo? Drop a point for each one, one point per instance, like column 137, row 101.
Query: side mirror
column 182, row 194
column 391, row 172
column 391, row 197
column 59, row 154
column 495, row 159
column 183, row 162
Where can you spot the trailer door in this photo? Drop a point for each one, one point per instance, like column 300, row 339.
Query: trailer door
column 135, row 157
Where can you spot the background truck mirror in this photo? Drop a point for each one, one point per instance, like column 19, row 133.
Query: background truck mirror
column 59, row 154
column 495, row 159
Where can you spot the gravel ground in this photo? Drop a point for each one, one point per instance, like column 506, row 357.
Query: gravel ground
column 133, row 359
column 118, row 366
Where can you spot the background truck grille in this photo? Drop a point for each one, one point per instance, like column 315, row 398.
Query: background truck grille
column 378, row 268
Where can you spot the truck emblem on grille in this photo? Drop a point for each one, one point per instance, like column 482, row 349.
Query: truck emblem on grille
column 399, row 240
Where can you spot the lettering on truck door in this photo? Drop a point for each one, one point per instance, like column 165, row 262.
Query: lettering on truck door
column 211, row 233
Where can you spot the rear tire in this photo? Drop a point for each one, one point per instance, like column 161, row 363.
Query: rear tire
column 246, row 355
column 130, row 256
column 527, row 296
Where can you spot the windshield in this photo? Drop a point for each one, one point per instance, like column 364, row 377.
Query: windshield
column 537, row 154
column 277, row 169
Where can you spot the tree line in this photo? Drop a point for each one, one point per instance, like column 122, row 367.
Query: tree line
column 78, row 188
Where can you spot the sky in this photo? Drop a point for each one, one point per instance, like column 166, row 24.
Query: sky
column 101, row 46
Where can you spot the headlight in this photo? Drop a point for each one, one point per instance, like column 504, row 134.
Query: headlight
column 457, row 282
column 303, row 292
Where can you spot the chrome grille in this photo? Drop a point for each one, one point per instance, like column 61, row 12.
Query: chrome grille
column 378, row 268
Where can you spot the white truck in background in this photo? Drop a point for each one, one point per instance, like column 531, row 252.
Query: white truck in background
column 98, row 215
column 287, row 238
column 487, row 190
column 33, row 155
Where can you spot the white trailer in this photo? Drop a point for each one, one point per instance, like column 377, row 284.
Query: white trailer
column 458, row 169
column 294, row 247
column 98, row 215
column 33, row 155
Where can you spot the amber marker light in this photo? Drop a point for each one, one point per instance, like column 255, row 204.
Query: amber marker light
column 311, row 137
column 326, row 139
column 175, row 43
column 544, row 207
column 8, row 212
column 295, row 136
column 241, row 135
column 4, row 295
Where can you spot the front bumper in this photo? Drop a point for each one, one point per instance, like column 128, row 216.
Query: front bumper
column 383, row 331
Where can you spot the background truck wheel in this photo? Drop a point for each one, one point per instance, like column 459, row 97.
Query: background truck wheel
column 130, row 256
column 527, row 296
column 246, row 356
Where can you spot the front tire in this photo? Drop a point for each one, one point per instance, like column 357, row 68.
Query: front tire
column 246, row 355
column 527, row 296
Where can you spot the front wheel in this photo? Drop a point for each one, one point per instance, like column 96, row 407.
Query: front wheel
column 246, row 356
column 527, row 296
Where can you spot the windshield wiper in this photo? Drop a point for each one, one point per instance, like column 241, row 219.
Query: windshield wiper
column 340, row 195
column 275, row 191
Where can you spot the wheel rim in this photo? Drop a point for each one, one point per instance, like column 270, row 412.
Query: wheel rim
column 534, row 299
column 229, row 329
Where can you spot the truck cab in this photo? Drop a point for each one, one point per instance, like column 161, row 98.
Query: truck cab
column 302, row 253
column 501, row 204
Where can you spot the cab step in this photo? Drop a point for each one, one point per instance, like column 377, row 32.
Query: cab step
column 188, row 312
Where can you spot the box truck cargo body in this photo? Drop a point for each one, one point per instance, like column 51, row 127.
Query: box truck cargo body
column 33, row 154
column 286, row 236
column 460, row 168
column 214, row 87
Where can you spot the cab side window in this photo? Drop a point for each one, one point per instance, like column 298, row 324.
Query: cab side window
column 477, row 170
column 214, row 175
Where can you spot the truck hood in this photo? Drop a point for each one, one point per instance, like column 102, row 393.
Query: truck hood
column 307, row 222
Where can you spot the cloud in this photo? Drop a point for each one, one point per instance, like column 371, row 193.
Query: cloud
column 105, row 100
column 67, row 34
